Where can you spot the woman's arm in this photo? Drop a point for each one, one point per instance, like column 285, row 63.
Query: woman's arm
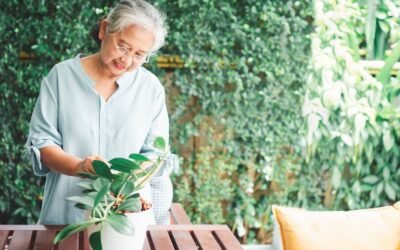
column 44, row 144
column 59, row 161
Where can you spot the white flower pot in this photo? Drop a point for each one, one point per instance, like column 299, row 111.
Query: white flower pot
column 112, row 240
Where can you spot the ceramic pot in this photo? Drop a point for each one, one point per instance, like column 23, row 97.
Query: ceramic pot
column 112, row 240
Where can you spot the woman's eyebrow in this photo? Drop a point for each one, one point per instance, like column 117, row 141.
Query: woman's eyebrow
column 130, row 46
column 121, row 40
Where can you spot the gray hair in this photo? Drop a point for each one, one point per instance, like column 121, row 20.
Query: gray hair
column 141, row 13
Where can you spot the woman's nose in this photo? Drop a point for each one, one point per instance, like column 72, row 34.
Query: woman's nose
column 126, row 60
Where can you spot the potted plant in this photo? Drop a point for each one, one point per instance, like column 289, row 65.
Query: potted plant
column 112, row 200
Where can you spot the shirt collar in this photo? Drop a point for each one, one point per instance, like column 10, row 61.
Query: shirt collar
column 122, row 82
column 126, row 79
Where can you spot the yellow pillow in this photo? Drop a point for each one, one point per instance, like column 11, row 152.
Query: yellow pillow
column 376, row 228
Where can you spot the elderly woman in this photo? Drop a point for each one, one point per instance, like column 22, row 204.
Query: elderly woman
column 100, row 106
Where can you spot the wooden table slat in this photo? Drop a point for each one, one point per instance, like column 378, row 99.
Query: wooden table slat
column 190, row 227
column 184, row 240
column 44, row 240
column 85, row 238
column 3, row 238
column 206, row 240
column 228, row 240
column 20, row 240
column 161, row 240
column 31, row 227
column 70, row 243
column 146, row 245
column 179, row 215
column 159, row 237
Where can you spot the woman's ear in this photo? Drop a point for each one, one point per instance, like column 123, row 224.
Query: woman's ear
column 102, row 30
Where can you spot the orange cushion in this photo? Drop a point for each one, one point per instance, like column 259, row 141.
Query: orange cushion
column 376, row 228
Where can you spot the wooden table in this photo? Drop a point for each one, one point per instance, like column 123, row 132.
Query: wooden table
column 186, row 237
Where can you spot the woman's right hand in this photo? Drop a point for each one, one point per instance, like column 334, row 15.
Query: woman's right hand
column 57, row 160
column 86, row 165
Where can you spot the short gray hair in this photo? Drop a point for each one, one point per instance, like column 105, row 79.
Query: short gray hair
column 141, row 13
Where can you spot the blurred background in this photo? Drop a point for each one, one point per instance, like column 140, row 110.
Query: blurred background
column 270, row 102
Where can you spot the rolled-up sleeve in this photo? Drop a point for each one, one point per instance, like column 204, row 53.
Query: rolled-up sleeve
column 43, row 127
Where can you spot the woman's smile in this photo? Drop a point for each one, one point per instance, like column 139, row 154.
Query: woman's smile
column 119, row 66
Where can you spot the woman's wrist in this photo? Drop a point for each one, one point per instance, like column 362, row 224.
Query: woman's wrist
column 78, row 168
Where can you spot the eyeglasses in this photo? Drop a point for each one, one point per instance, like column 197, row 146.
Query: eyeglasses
column 145, row 58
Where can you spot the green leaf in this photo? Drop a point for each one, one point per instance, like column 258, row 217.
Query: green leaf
column 117, row 184
column 100, row 195
column 131, row 204
column 128, row 188
column 371, row 179
column 388, row 140
column 100, row 183
column 384, row 74
column 85, row 200
column 384, row 26
column 353, row 43
column 379, row 188
column 370, row 28
column 138, row 157
column 85, row 191
column 356, row 188
column 71, row 229
column 336, row 177
column 390, row 192
column 86, row 175
column 381, row 14
column 159, row 143
column 121, row 224
column 86, row 184
column 102, row 169
column 135, row 195
column 82, row 206
column 380, row 44
column 123, row 165
column 95, row 240
column 386, row 173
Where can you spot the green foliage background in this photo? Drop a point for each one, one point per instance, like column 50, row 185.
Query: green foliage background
column 235, row 107
column 353, row 119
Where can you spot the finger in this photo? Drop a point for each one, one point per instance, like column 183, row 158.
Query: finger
column 101, row 159
column 87, row 166
column 98, row 157
column 145, row 203
column 91, row 157
column 90, row 168
column 91, row 171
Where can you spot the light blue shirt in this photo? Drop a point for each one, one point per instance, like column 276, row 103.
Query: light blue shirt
column 71, row 114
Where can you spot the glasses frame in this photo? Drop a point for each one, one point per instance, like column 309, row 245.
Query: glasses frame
column 128, row 52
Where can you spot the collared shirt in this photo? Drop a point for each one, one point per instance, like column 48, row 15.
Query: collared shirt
column 71, row 114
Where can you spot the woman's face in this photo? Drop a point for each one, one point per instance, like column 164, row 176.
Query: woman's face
column 125, row 50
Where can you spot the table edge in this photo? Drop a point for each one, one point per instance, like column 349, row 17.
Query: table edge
column 215, row 227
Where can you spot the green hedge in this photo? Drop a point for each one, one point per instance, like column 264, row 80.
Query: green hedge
column 239, row 107
column 235, row 106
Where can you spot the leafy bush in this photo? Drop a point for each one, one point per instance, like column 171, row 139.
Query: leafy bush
column 352, row 125
column 238, row 107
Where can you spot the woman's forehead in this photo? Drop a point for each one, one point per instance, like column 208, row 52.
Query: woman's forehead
column 137, row 37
